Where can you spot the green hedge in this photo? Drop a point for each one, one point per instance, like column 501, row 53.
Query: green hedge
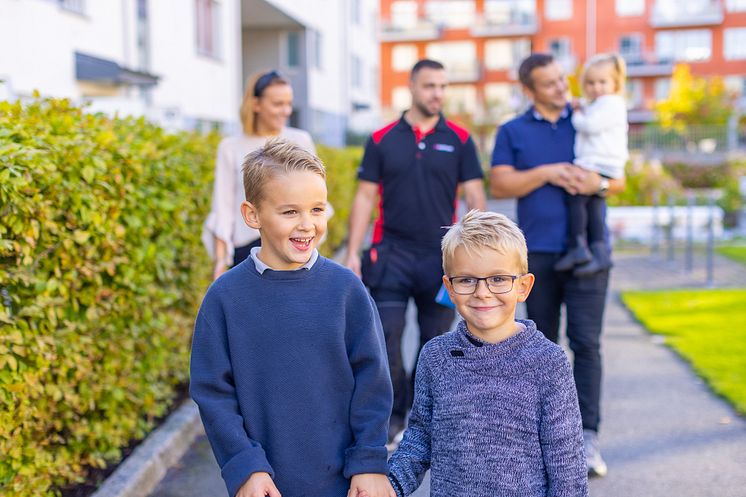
column 101, row 270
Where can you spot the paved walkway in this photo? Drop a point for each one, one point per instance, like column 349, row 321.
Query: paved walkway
column 663, row 434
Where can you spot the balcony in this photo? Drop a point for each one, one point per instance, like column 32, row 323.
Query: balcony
column 517, row 23
column 464, row 72
column 422, row 30
column 641, row 65
column 666, row 14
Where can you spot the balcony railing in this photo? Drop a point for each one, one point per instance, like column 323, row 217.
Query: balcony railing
column 423, row 29
column 464, row 73
column 517, row 23
column 641, row 64
column 684, row 14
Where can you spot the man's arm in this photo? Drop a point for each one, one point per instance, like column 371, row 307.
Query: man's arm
column 474, row 194
column 590, row 183
column 362, row 208
column 507, row 182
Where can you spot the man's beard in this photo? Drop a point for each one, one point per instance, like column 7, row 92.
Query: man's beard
column 422, row 109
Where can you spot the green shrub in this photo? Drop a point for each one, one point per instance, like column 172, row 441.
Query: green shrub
column 341, row 172
column 102, row 270
column 643, row 181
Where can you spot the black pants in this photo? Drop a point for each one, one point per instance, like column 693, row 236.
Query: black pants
column 240, row 254
column 584, row 300
column 408, row 272
column 586, row 218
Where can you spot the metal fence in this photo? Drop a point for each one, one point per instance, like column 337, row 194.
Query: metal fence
column 693, row 139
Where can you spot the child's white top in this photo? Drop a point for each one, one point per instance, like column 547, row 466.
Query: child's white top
column 601, row 139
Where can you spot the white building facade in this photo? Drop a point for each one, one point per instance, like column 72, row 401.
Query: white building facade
column 183, row 63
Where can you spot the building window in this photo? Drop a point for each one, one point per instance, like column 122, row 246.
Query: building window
column 630, row 47
column 207, row 27
column 355, row 11
column 452, row 13
column 560, row 48
column 558, row 10
column 505, row 54
column 458, row 57
column 501, row 12
column 404, row 14
column 356, row 68
column 662, row 88
column 293, row 49
column 403, row 57
column 689, row 45
column 735, row 5
column 626, row 8
column 634, row 93
column 142, row 35
column 734, row 46
column 315, row 42
column 401, row 98
column 461, row 100
column 77, row 6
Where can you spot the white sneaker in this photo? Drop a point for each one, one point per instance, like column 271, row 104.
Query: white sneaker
column 395, row 441
column 596, row 464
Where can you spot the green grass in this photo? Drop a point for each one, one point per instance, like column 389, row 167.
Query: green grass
column 707, row 327
column 735, row 252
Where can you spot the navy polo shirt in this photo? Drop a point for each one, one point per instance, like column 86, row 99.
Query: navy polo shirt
column 418, row 176
column 528, row 141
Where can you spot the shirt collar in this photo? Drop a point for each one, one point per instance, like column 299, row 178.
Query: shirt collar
column 261, row 267
column 440, row 125
column 536, row 115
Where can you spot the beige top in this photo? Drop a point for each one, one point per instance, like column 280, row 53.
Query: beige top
column 225, row 221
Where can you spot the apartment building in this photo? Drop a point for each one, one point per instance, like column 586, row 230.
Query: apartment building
column 184, row 63
column 482, row 42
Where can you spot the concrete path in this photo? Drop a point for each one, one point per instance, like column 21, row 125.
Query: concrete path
column 663, row 432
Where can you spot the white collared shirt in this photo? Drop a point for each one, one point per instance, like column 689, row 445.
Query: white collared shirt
column 261, row 267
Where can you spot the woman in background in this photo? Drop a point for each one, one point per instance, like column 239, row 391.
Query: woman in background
column 265, row 110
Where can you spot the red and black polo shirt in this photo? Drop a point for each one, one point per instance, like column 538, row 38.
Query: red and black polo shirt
column 418, row 176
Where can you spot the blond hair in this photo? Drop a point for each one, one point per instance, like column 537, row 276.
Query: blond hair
column 478, row 229
column 277, row 156
column 617, row 64
column 246, row 112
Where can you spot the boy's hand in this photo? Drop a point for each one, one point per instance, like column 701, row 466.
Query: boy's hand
column 258, row 485
column 370, row 485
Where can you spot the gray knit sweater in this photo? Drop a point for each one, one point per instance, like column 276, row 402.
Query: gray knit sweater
column 493, row 420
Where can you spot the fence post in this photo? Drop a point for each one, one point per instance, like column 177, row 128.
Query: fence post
column 669, row 230
column 689, row 258
column 655, row 238
column 710, row 281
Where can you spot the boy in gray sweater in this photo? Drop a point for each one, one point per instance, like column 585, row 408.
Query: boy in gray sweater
column 495, row 411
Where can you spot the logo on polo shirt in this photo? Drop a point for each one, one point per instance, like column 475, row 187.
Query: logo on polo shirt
column 444, row 147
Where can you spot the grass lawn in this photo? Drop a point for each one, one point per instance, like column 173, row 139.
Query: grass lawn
column 735, row 252
column 707, row 327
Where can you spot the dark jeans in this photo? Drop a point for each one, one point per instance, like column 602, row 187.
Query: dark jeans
column 409, row 272
column 586, row 218
column 584, row 300
column 240, row 254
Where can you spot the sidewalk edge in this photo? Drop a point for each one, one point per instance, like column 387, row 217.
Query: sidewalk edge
column 142, row 470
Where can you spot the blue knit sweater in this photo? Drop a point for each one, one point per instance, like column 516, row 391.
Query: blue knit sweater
column 493, row 420
column 290, row 374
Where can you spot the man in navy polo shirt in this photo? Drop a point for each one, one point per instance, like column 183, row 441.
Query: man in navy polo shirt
column 532, row 160
column 413, row 167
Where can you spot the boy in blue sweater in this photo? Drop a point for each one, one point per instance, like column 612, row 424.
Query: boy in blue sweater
column 288, row 359
column 495, row 411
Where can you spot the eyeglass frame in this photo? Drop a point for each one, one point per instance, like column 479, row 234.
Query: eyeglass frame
column 265, row 80
column 512, row 277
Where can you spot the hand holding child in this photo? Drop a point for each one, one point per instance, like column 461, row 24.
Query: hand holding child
column 258, row 485
column 370, row 485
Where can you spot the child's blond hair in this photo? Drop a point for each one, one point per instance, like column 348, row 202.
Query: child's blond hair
column 478, row 229
column 618, row 66
column 277, row 156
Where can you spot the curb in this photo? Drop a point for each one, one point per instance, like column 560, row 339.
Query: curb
column 141, row 471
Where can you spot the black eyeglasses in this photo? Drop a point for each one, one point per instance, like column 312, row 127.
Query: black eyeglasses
column 264, row 81
column 497, row 284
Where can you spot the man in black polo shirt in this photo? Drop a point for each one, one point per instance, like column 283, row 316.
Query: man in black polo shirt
column 413, row 167
column 532, row 160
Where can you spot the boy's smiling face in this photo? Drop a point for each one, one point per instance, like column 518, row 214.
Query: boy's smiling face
column 291, row 218
column 488, row 316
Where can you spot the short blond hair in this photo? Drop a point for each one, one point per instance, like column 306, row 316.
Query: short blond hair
column 277, row 156
column 618, row 66
column 478, row 229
